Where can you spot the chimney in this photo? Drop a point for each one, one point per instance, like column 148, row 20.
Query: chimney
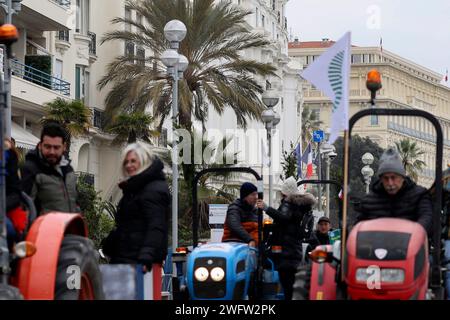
column 296, row 40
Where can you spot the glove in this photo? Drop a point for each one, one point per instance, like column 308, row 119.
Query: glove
column 145, row 258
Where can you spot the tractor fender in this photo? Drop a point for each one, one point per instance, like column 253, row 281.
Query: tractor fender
column 323, row 282
column 35, row 276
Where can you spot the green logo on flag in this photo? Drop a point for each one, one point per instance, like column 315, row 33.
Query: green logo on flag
column 335, row 77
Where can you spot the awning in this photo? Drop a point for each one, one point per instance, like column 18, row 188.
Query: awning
column 24, row 139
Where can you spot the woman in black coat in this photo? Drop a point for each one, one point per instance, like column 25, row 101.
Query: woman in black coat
column 293, row 222
column 141, row 234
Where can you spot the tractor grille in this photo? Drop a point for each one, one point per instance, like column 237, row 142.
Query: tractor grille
column 395, row 244
column 210, row 289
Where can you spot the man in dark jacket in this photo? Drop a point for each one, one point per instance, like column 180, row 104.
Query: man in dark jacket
column 321, row 235
column 290, row 229
column 241, row 222
column 395, row 195
column 47, row 177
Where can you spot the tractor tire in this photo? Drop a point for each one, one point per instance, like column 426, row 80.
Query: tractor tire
column 302, row 283
column 8, row 292
column 78, row 276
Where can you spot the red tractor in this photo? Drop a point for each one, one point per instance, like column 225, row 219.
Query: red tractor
column 383, row 258
column 55, row 260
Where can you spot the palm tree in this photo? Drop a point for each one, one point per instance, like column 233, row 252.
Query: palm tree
column 410, row 154
column 73, row 115
column 133, row 126
column 219, row 75
column 310, row 123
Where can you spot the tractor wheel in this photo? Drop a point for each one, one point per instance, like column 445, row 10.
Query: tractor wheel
column 78, row 276
column 302, row 283
column 8, row 292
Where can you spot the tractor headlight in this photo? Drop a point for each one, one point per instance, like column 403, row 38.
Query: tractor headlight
column 383, row 275
column 392, row 275
column 217, row 274
column 201, row 274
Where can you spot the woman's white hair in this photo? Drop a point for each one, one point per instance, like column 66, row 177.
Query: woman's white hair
column 144, row 154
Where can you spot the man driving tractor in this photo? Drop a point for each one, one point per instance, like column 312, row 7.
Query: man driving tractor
column 241, row 222
column 394, row 195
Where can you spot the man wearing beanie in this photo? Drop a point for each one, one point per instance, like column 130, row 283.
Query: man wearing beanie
column 241, row 222
column 293, row 222
column 395, row 195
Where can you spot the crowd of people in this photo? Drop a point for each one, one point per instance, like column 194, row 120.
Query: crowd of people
column 140, row 235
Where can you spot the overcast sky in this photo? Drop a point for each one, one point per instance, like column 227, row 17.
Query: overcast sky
column 418, row 30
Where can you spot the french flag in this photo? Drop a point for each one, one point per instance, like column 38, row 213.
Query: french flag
column 307, row 158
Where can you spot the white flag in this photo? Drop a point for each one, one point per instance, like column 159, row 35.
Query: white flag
column 330, row 73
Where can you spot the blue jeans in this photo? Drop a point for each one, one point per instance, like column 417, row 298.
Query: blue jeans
column 447, row 274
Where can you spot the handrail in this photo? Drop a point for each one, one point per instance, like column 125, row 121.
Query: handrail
column 40, row 78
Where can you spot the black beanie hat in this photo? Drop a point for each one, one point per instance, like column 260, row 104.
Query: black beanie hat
column 246, row 189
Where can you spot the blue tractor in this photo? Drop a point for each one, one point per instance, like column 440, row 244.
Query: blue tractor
column 230, row 270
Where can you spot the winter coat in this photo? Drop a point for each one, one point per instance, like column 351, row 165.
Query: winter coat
column 317, row 238
column 50, row 188
column 141, row 234
column 241, row 222
column 291, row 227
column 411, row 202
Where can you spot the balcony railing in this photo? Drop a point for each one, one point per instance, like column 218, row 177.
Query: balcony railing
column 40, row 78
column 63, row 3
column 92, row 43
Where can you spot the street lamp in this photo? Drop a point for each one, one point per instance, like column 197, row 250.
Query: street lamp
column 174, row 31
column 329, row 153
column 270, row 119
column 367, row 171
column 10, row 7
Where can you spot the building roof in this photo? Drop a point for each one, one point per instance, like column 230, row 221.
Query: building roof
column 311, row 44
column 325, row 43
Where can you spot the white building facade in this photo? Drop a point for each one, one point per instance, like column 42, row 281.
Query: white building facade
column 66, row 34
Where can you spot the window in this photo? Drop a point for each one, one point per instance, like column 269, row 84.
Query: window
column 58, row 70
column 82, row 16
column 82, row 84
column 257, row 17
column 129, row 48
column 97, row 118
column 263, row 21
column 356, row 58
column 127, row 17
column 139, row 18
column 315, row 114
column 374, row 120
column 140, row 56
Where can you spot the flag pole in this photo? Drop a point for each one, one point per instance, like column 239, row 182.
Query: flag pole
column 345, row 202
